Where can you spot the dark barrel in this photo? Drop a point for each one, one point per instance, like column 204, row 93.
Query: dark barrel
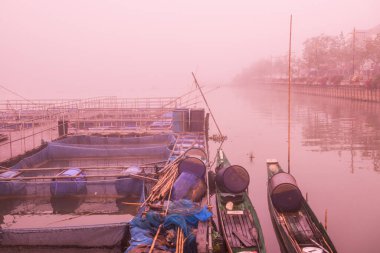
column 284, row 193
column 193, row 166
column 180, row 120
column 77, row 184
column 197, row 153
column 126, row 185
column 11, row 187
column 188, row 186
column 233, row 179
column 197, row 120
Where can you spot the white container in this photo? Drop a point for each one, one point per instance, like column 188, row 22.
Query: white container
column 312, row 250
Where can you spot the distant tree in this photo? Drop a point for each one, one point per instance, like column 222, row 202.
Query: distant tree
column 372, row 52
column 325, row 55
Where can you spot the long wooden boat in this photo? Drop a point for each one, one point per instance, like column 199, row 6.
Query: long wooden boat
column 297, row 228
column 238, row 220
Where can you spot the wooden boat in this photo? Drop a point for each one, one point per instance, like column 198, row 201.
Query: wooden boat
column 237, row 216
column 297, row 228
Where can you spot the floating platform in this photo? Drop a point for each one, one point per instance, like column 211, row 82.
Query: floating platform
column 100, row 139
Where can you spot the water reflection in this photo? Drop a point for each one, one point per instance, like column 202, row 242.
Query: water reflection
column 66, row 204
column 335, row 152
column 343, row 126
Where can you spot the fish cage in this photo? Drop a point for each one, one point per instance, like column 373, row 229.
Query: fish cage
column 70, row 166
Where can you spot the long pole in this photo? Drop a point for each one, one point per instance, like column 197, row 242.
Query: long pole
column 353, row 52
column 289, row 86
column 207, row 180
column 204, row 99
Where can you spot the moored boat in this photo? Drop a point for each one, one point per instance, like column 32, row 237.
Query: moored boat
column 237, row 216
column 297, row 228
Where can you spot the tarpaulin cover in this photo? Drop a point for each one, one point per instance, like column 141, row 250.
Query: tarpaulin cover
column 69, row 186
column 99, row 140
column 95, row 147
column 188, row 186
column 105, row 235
column 16, row 187
column 183, row 213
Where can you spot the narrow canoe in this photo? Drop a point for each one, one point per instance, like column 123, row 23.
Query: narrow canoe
column 297, row 228
column 237, row 216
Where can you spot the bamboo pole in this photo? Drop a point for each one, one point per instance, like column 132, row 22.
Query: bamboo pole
column 287, row 228
column 84, row 176
column 89, row 168
column 289, row 89
column 167, row 207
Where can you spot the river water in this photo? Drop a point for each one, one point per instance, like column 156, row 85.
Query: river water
column 335, row 156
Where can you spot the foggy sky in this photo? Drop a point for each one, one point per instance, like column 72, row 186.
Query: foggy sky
column 71, row 49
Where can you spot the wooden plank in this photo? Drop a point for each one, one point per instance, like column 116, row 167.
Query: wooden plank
column 228, row 229
column 245, row 242
column 238, row 225
column 242, row 231
column 233, row 228
column 249, row 226
column 248, row 220
column 201, row 237
column 244, row 227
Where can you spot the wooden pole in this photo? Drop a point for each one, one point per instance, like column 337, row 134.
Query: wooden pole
column 86, row 168
column 208, row 107
column 289, row 87
column 84, row 176
column 353, row 51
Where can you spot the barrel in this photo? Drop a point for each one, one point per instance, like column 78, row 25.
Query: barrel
column 197, row 153
column 193, row 166
column 180, row 120
column 188, row 186
column 232, row 179
column 62, row 187
column 11, row 187
column 197, row 120
column 126, row 185
column 284, row 193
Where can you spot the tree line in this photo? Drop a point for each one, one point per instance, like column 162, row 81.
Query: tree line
column 353, row 59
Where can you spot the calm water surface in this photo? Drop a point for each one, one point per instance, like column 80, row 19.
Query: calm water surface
column 335, row 156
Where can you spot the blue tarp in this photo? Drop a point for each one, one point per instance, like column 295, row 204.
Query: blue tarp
column 69, row 186
column 183, row 213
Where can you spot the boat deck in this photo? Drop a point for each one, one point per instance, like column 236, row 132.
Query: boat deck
column 238, row 226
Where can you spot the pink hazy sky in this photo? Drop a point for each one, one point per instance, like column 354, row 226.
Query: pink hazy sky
column 86, row 48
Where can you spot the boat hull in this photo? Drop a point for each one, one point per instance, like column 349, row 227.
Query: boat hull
column 295, row 224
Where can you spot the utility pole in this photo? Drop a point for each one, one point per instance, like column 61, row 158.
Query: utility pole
column 353, row 52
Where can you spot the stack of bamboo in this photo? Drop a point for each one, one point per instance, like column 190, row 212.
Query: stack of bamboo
column 165, row 183
column 180, row 241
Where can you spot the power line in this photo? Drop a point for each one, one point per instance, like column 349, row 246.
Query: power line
column 16, row 94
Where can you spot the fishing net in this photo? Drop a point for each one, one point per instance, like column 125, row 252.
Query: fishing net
column 101, row 188
column 183, row 214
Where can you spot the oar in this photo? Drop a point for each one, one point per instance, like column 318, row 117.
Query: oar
column 320, row 246
column 255, row 237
